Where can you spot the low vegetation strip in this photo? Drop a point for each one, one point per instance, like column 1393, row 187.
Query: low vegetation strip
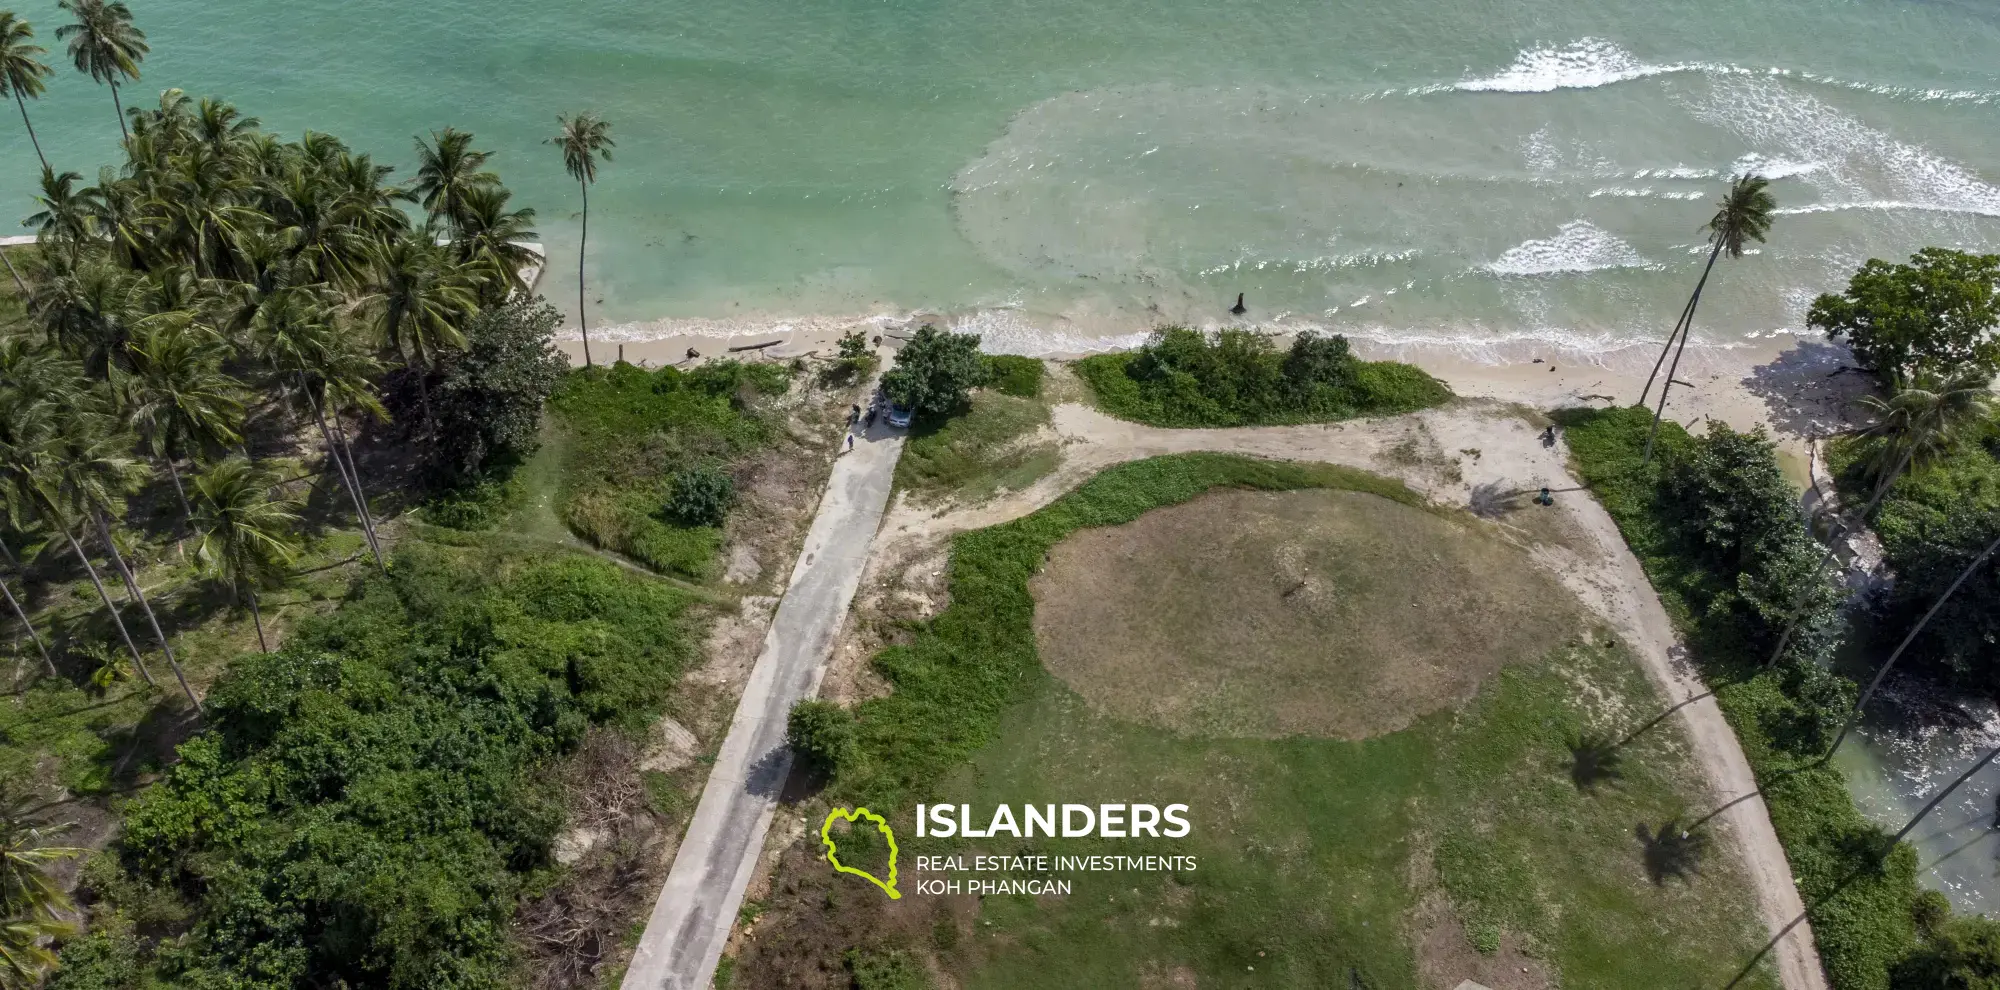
column 1185, row 378
column 644, row 468
column 1863, row 915
column 952, row 683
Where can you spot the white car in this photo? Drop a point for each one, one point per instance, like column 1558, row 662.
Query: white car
column 899, row 416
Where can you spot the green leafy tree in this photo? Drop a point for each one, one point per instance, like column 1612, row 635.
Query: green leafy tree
column 22, row 71
column 490, row 396
column 935, row 371
column 1935, row 315
column 584, row 139
column 105, row 45
column 248, row 537
column 1744, row 215
column 821, row 733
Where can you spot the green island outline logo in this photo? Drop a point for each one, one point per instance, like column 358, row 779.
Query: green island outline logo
column 832, row 855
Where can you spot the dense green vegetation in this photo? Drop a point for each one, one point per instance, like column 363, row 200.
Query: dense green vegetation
column 1862, row 909
column 1521, row 852
column 1011, row 374
column 1933, row 522
column 371, row 799
column 632, row 433
column 935, row 371
column 1183, row 377
column 1933, row 315
column 986, row 447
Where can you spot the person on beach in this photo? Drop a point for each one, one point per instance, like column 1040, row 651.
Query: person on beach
column 1239, row 309
column 850, row 446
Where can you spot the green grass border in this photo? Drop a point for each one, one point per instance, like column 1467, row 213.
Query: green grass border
column 1864, row 931
column 970, row 661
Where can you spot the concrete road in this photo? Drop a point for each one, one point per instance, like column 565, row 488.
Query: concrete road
column 685, row 935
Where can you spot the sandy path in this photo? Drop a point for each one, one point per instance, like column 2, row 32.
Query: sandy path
column 1423, row 451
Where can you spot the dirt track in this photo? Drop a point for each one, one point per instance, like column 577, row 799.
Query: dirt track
column 1472, row 452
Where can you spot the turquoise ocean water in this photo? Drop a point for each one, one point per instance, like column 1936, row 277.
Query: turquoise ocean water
column 1497, row 174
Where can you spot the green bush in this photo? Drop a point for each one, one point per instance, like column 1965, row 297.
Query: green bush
column 489, row 396
column 370, row 801
column 1014, row 375
column 632, row 433
column 890, row 970
column 700, row 496
column 477, row 505
column 965, row 665
column 821, row 733
column 1183, row 377
column 1861, row 912
column 1963, row 954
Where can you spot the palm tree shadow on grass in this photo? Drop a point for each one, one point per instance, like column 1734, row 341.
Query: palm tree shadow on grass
column 1671, row 851
column 1595, row 760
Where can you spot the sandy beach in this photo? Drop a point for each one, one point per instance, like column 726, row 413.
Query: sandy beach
column 1799, row 387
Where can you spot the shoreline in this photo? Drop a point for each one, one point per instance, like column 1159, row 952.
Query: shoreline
column 1793, row 385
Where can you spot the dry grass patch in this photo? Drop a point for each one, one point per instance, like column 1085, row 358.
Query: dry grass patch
column 1268, row 614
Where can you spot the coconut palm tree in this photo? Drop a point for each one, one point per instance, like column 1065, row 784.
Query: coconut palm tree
column 105, row 45
column 1911, row 428
column 64, row 220
column 492, row 242
column 86, row 476
column 89, row 311
column 26, row 958
column 22, row 71
column 447, row 169
column 295, row 333
column 33, row 906
column 584, row 138
column 35, row 404
column 178, row 397
column 247, row 537
column 1743, row 215
column 419, row 299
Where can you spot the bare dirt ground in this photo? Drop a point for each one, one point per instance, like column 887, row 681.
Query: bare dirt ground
column 1270, row 614
column 1482, row 455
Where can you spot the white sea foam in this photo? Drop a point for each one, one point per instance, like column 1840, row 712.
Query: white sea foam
column 1322, row 263
column 1583, row 64
column 1854, row 166
column 1579, row 246
column 1646, row 192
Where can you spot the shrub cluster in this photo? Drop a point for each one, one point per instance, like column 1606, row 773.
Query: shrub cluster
column 644, row 473
column 1183, row 377
column 371, row 799
column 1014, row 375
column 1712, row 522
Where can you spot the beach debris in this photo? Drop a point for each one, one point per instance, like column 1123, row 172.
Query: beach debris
column 1239, row 309
column 1537, row 361
column 755, row 347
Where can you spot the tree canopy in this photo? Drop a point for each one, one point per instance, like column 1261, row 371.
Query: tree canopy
column 1936, row 314
column 935, row 371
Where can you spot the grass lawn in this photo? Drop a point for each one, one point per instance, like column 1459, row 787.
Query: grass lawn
column 992, row 446
column 1462, row 846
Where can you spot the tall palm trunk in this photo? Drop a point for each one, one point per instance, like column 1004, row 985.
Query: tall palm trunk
column 256, row 616
column 37, row 142
column 353, row 487
column 1804, row 594
column 116, row 619
column 22, row 614
column 422, row 376
column 1862, row 702
column 132, row 587
column 119, row 106
column 187, row 511
column 354, row 470
column 1686, row 308
column 1687, row 327
column 583, row 239
column 18, row 283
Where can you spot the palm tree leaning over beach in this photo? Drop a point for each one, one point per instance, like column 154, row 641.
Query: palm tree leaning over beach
column 583, row 138
column 1744, row 215
column 105, row 45
column 22, row 70
column 248, row 538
